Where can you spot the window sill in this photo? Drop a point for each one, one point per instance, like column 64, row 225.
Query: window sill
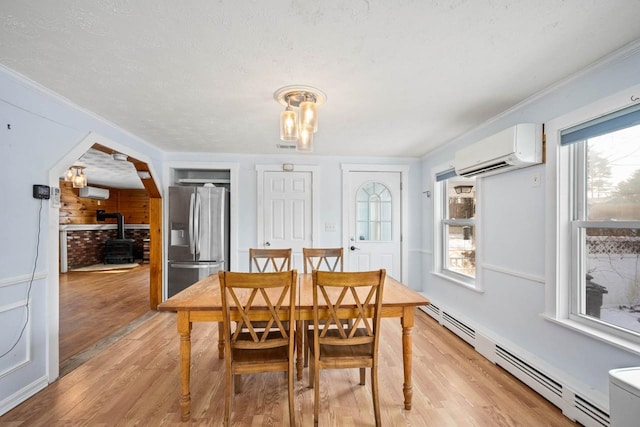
column 595, row 334
column 469, row 286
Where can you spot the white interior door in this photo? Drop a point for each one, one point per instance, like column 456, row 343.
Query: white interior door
column 373, row 202
column 287, row 212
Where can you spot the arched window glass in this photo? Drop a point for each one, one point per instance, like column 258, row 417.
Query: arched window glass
column 373, row 213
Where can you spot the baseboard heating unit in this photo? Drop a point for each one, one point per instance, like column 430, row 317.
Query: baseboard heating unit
column 572, row 404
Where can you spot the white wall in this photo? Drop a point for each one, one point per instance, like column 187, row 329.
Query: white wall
column 329, row 199
column 512, row 223
column 40, row 136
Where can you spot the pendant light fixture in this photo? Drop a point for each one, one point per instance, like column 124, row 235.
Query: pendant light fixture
column 300, row 125
column 77, row 177
column 288, row 125
column 69, row 174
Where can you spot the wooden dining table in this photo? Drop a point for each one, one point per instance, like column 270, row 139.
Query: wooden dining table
column 201, row 302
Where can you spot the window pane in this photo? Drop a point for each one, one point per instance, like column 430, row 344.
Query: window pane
column 461, row 198
column 613, row 176
column 373, row 215
column 363, row 211
column 385, row 195
column 363, row 230
column 458, row 244
column 374, row 208
column 385, row 211
column 610, row 290
column 461, row 254
column 461, row 207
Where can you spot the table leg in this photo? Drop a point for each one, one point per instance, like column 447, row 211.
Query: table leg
column 184, row 329
column 407, row 351
column 220, row 340
column 299, row 338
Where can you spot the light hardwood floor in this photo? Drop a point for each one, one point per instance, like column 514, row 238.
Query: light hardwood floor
column 136, row 382
column 95, row 304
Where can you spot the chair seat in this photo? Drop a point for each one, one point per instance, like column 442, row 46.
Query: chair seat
column 248, row 356
column 328, row 351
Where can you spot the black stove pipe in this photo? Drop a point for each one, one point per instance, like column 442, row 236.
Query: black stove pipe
column 101, row 215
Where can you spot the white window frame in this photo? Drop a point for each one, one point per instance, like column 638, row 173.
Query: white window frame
column 563, row 229
column 439, row 233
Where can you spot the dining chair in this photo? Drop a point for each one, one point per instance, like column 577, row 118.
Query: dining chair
column 268, row 298
column 336, row 296
column 326, row 259
column 264, row 260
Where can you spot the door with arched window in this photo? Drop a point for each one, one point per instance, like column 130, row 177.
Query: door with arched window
column 374, row 222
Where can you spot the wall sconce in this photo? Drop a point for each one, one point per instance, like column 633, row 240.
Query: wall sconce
column 463, row 189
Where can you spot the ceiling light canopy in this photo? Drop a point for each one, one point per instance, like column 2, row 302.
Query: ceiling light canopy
column 300, row 125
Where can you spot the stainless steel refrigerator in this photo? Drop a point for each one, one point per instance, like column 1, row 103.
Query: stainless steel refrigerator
column 198, row 234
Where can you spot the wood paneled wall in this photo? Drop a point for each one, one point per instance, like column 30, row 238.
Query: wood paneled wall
column 132, row 204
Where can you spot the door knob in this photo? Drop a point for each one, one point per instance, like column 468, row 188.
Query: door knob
column 267, row 243
column 353, row 248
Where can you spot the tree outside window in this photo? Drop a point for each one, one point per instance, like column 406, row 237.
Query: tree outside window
column 607, row 229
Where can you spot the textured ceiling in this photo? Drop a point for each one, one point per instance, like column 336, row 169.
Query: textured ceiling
column 106, row 170
column 401, row 77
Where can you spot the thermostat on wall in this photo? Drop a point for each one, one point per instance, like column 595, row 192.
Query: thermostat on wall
column 55, row 197
column 41, row 191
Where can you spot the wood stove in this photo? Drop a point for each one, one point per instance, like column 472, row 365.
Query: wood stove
column 120, row 250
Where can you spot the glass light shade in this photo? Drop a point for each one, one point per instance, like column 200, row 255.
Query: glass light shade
column 305, row 141
column 79, row 179
column 288, row 125
column 68, row 175
column 308, row 115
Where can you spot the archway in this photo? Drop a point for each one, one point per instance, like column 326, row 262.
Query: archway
column 141, row 164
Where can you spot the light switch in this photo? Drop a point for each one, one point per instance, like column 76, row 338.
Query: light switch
column 329, row 226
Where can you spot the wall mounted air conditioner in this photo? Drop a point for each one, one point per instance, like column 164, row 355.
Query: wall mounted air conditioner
column 513, row 148
column 94, row 193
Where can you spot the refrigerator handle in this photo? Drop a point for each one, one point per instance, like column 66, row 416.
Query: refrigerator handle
column 222, row 212
column 196, row 223
column 195, row 266
column 191, row 224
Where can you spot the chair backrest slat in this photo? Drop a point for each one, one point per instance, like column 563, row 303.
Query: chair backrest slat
column 265, row 260
column 327, row 259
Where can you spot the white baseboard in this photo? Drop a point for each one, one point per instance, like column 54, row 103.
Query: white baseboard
column 23, row 394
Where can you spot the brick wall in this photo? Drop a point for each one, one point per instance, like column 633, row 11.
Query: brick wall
column 86, row 247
